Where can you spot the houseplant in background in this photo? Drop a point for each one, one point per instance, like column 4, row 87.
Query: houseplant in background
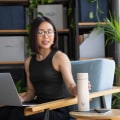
column 97, row 12
column 112, row 32
column 116, row 96
column 19, row 86
column 92, row 10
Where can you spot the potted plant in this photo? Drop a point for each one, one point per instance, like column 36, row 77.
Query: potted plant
column 112, row 33
column 112, row 30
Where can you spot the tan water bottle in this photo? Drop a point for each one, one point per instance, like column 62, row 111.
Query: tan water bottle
column 83, row 92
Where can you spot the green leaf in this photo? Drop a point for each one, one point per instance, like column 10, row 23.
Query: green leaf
column 91, row 15
column 19, row 87
column 91, row 1
column 50, row 1
column 100, row 11
column 40, row 13
column 112, row 30
column 69, row 11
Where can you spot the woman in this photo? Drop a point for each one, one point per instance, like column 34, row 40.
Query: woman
column 47, row 69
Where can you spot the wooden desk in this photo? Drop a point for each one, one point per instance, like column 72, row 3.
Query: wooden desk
column 66, row 102
column 113, row 114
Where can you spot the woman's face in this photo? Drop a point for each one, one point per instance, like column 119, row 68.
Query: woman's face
column 45, row 35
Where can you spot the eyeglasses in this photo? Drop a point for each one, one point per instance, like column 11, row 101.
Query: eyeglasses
column 42, row 32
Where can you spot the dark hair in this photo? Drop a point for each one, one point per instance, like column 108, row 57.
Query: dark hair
column 33, row 34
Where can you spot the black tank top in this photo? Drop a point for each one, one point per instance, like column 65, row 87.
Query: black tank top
column 48, row 82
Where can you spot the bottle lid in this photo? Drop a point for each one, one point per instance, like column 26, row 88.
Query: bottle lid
column 82, row 75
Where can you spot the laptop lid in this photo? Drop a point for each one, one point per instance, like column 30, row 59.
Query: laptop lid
column 8, row 91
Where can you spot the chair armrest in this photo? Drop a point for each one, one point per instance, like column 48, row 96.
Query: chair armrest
column 65, row 102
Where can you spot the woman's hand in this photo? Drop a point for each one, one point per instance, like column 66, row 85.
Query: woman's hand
column 21, row 98
column 89, row 85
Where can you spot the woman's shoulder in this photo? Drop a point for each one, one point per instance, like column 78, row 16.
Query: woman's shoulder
column 59, row 55
column 27, row 60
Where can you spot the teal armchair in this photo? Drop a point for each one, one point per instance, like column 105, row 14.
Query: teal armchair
column 101, row 76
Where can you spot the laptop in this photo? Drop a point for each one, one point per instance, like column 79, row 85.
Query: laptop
column 8, row 93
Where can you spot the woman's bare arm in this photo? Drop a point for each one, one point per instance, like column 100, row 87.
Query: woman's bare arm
column 62, row 63
column 30, row 89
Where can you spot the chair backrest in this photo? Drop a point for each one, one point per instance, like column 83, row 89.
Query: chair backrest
column 101, row 75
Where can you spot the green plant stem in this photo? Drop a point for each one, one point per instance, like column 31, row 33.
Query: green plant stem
column 97, row 11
